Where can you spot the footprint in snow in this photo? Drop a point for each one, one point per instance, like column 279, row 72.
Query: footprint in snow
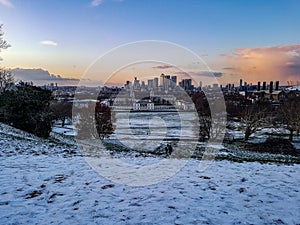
column 107, row 186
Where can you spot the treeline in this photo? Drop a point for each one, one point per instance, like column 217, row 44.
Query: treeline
column 33, row 109
column 251, row 115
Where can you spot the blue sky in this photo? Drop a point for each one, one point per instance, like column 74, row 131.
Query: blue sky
column 79, row 31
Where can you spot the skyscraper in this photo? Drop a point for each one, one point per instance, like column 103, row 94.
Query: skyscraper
column 186, row 84
column 167, row 82
column 264, row 87
column 271, row 87
column 136, row 84
column 277, row 86
column 174, row 81
column 150, row 84
column 155, row 83
column 161, row 80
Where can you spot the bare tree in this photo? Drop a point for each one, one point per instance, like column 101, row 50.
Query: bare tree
column 212, row 128
column 94, row 121
column 61, row 111
column 211, row 117
column 3, row 44
column 252, row 118
column 6, row 79
column 205, row 125
column 103, row 118
column 289, row 115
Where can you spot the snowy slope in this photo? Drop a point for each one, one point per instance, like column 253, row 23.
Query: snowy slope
column 56, row 187
column 14, row 141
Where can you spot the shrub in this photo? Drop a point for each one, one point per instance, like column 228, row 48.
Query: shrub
column 27, row 108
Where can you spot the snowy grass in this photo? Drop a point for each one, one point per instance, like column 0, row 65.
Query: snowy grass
column 56, row 190
column 43, row 182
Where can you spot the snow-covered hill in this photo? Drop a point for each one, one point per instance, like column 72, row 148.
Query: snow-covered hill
column 48, row 182
column 17, row 142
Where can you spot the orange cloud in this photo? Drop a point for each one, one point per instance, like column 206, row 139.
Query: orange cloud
column 267, row 63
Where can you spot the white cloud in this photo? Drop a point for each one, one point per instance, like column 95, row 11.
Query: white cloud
column 47, row 42
column 41, row 76
column 96, row 2
column 7, row 3
column 293, row 53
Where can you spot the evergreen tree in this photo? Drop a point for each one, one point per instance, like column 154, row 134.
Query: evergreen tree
column 27, row 108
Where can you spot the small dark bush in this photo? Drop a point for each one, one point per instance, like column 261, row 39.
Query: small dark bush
column 274, row 146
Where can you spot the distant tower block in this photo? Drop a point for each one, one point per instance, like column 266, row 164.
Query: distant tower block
column 167, row 82
column 264, row 87
column 162, row 79
column 271, row 86
column 155, row 83
column 258, row 86
column 174, row 81
column 150, row 84
column 277, row 86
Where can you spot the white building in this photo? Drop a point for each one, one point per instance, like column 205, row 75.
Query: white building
column 184, row 105
column 144, row 104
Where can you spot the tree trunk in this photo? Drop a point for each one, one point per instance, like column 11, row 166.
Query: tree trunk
column 247, row 134
column 63, row 122
column 291, row 135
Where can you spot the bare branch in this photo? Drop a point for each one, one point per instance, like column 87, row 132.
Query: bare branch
column 6, row 80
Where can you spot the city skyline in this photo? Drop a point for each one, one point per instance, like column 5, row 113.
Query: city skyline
column 166, row 82
column 249, row 40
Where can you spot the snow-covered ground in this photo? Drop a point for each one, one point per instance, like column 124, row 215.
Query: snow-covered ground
column 68, row 130
column 48, row 182
column 53, row 189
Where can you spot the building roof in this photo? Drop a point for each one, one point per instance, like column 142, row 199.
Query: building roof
column 293, row 88
column 143, row 101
